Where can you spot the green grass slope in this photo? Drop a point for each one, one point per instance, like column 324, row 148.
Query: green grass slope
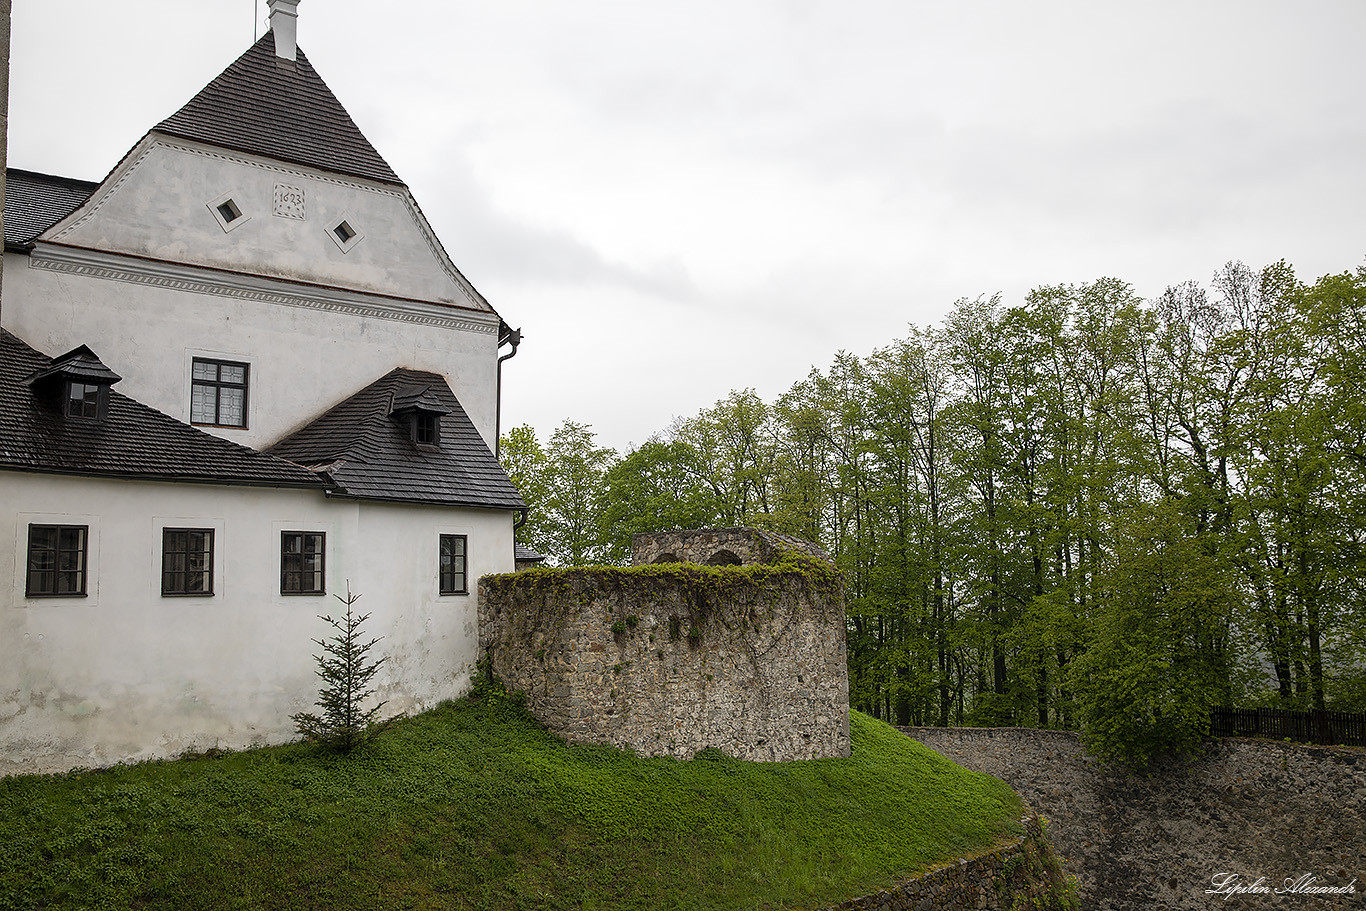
column 475, row 806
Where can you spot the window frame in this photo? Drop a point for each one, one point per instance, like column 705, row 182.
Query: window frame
column 218, row 384
column 354, row 235
column 91, row 403
column 208, row 550
column 82, row 573
column 441, row 571
column 228, row 201
column 320, row 572
column 426, row 429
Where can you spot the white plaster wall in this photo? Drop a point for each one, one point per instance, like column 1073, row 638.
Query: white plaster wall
column 126, row 674
column 303, row 361
column 157, row 204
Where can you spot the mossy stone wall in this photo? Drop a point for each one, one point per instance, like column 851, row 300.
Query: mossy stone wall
column 670, row 659
column 1023, row 874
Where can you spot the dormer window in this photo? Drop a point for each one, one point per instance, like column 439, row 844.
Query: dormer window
column 427, row 428
column 419, row 412
column 76, row 384
column 83, row 399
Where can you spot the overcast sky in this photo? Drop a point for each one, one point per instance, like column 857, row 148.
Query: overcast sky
column 674, row 200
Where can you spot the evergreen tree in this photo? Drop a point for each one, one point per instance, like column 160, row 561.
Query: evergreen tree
column 346, row 671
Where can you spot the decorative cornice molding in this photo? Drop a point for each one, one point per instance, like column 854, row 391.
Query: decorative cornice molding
column 196, row 280
column 154, row 140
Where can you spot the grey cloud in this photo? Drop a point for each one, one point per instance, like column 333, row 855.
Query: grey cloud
column 488, row 243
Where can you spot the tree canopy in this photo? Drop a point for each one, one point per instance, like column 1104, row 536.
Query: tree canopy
column 1084, row 510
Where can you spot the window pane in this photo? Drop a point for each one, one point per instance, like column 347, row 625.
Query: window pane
column 42, row 559
column 202, row 405
column 230, row 406
column 232, row 373
column 204, row 370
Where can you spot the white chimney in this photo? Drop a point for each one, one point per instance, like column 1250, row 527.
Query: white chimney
column 284, row 22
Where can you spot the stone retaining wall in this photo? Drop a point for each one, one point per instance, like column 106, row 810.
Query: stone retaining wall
column 1246, row 808
column 672, row 659
column 1020, row 874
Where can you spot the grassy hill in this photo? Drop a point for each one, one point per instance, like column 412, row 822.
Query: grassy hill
column 475, row 806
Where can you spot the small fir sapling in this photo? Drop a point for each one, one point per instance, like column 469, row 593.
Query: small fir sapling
column 346, row 670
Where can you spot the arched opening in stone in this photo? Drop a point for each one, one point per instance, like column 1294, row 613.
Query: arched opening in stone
column 724, row 558
column 666, row 558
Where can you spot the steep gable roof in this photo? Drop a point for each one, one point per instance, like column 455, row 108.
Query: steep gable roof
column 266, row 106
column 132, row 441
column 369, row 455
column 35, row 202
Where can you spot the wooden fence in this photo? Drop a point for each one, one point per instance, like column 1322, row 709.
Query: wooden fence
column 1280, row 724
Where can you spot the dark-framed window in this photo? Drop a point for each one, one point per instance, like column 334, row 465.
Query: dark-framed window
column 427, row 428
column 186, row 561
column 302, row 563
column 83, row 399
column 56, row 560
column 452, row 570
column 218, row 393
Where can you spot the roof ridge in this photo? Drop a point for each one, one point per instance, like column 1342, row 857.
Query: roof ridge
column 52, row 178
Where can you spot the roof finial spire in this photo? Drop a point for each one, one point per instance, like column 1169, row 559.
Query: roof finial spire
column 284, row 15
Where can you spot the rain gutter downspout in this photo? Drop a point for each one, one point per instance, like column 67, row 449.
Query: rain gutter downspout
column 506, row 335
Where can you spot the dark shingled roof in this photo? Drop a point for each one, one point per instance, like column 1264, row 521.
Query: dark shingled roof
column 132, row 441
column 523, row 554
column 79, row 363
column 267, row 106
column 368, row 454
column 35, row 202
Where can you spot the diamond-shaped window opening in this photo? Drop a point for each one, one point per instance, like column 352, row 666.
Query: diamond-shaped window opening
column 344, row 234
column 227, row 212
